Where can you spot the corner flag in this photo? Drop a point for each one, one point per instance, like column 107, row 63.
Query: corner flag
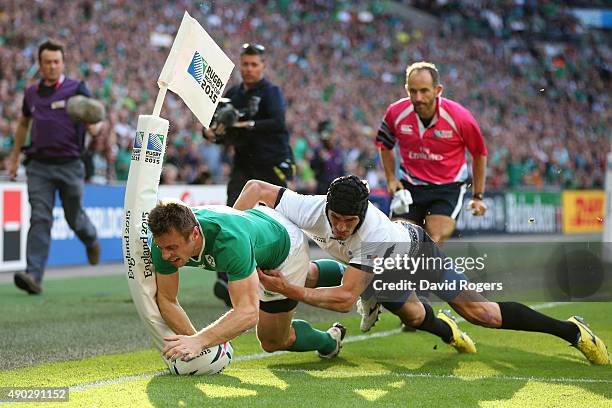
column 196, row 69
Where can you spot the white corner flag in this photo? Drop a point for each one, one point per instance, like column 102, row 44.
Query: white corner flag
column 197, row 70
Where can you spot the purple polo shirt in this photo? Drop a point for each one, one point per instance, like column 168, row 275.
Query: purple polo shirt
column 54, row 136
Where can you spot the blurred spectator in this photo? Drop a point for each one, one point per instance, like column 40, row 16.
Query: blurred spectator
column 203, row 175
column 123, row 159
column 99, row 161
column 169, row 174
column 327, row 162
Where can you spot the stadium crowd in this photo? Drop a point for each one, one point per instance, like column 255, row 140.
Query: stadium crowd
column 540, row 100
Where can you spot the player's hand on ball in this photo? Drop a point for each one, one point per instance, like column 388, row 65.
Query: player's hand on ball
column 272, row 280
column 478, row 207
column 181, row 346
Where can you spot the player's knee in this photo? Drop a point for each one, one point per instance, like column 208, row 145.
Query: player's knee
column 410, row 313
column 412, row 321
column 484, row 314
column 270, row 346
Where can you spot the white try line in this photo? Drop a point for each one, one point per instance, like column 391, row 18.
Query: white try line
column 350, row 339
column 428, row 375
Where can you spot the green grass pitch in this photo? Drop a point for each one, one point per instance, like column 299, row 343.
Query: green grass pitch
column 84, row 333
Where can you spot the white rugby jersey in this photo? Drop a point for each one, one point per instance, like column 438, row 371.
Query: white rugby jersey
column 377, row 237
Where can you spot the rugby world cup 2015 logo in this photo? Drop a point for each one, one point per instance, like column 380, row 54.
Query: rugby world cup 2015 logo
column 137, row 146
column 155, row 145
column 197, row 67
column 205, row 76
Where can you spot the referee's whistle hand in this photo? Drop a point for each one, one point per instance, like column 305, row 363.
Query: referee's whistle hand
column 393, row 186
column 478, row 207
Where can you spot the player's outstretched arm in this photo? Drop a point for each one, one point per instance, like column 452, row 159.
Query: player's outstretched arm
column 257, row 191
column 338, row 298
column 172, row 312
column 244, row 315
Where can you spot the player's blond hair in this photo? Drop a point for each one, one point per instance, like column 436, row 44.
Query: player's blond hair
column 424, row 66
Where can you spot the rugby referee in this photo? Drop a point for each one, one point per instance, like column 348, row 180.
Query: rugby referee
column 432, row 133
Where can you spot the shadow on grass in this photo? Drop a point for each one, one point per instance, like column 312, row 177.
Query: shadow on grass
column 372, row 381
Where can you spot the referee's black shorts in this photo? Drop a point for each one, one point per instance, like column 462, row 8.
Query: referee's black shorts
column 433, row 199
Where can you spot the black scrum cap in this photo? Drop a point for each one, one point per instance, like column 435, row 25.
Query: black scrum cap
column 348, row 195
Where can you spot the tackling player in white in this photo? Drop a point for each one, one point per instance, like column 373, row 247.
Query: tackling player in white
column 352, row 230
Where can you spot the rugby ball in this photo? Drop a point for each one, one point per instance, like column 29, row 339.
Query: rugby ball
column 212, row 360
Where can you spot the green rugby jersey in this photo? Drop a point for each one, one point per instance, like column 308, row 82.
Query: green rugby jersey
column 235, row 242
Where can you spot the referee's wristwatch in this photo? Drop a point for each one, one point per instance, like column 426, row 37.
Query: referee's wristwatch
column 478, row 196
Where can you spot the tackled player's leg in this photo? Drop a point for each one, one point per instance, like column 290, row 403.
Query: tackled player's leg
column 276, row 329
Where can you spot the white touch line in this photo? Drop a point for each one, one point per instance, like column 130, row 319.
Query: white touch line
column 350, row 339
column 429, row 375
column 101, row 383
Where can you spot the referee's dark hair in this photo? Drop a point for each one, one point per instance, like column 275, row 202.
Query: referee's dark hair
column 50, row 45
column 427, row 66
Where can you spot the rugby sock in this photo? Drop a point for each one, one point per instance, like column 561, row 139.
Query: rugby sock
column 330, row 272
column 308, row 339
column 516, row 316
column 436, row 326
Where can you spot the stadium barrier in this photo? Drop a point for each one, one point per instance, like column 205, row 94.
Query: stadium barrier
column 515, row 212
column 15, row 216
column 103, row 204
column 533, row 212
column 583, row 211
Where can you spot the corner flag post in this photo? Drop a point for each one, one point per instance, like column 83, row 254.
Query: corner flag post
column 197, row 70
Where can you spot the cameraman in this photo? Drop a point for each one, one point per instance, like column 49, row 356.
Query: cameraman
column 259, row 134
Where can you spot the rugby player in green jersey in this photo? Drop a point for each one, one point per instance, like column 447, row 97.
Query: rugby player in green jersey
column 219, row 238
